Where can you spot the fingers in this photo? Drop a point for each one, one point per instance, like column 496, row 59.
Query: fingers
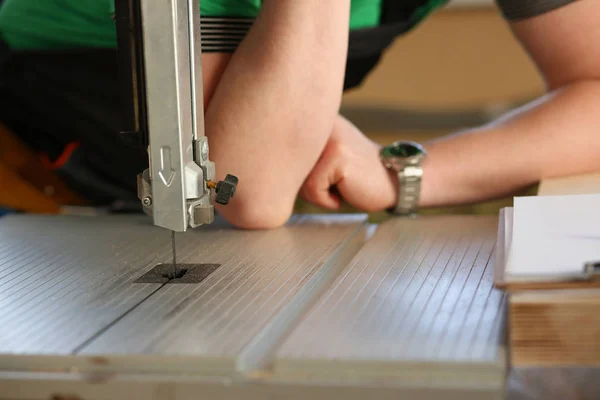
column 317, row 189
column 323, row 198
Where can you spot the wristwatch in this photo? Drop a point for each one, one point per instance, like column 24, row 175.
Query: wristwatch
column 405, row 158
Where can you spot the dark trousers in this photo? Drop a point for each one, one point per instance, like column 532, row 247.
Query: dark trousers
column 52, row 98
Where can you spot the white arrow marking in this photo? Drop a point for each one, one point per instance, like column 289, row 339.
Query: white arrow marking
column 166, row 172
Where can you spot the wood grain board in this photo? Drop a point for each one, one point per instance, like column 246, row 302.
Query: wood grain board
column 416, row 299
column 554, row 328
column 579, row 184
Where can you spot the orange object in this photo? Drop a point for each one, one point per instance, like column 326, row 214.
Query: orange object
column 18, row 194
column 211, row 184
column 27, row 183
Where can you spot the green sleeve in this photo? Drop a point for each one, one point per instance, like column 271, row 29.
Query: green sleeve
column 364, row 13
column 222, row 8
column 44, row 24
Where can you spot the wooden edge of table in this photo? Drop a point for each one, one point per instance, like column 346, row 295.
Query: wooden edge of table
column 513, row 287
column 580, row 184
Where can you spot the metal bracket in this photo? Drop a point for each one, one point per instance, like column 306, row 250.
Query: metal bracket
column 174, row 189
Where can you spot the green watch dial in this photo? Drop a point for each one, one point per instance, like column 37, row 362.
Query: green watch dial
column 402, row 150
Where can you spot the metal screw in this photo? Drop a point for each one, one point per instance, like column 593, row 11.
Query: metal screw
column 147, row 201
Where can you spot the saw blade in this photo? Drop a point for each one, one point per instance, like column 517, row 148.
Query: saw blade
column 174, row 253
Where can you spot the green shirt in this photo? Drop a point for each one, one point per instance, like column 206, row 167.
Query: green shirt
column 44, row 24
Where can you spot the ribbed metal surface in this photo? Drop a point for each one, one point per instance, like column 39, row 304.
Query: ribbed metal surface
column 418, row 295
column 414, row 306
column 63, row 279
column 64, row 282
column 260, row 273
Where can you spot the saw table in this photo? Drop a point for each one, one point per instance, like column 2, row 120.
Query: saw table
column 325, row 307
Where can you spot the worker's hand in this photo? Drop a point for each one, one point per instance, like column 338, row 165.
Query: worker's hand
column 350, row 167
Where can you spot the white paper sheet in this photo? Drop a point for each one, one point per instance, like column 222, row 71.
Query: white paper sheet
column 553, row 236
column 508, row 229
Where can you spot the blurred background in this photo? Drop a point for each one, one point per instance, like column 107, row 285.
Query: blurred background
column 458, row 69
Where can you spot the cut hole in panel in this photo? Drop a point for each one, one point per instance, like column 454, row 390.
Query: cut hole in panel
column 185, row 273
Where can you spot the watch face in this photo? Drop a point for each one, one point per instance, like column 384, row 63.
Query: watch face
column 403, row 149
column 402, row 153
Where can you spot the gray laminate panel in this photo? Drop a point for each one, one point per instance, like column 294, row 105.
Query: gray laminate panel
column 416, row 303
column 261, row 274
column 63, row 279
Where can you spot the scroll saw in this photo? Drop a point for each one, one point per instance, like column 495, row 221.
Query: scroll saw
column 160, row 64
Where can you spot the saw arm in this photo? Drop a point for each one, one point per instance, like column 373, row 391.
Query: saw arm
column 159, row 47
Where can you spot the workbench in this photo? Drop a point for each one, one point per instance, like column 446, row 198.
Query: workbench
column 326, row 306
column 329, row 306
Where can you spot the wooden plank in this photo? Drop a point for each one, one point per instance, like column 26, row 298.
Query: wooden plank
column 515, row 287
column 67, row 287
column 579, row 184
column 416, row 306
column 47, row 386
column 555, row 328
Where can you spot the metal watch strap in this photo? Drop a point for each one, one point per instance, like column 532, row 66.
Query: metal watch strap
column 409, row 189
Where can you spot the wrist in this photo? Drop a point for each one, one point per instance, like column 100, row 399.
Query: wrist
column 403, row 160
column 392, row 188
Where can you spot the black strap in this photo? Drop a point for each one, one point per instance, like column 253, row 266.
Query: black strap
column 396, row 19
column 367, row 45
column 399, row 10
column 514, row 10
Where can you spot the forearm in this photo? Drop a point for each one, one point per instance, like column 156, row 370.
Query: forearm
column 554, row 136
column 272, row 113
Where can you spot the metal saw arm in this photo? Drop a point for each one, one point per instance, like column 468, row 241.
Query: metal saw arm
column 161, row 72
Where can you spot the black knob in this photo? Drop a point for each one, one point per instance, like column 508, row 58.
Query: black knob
column 226, row 189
